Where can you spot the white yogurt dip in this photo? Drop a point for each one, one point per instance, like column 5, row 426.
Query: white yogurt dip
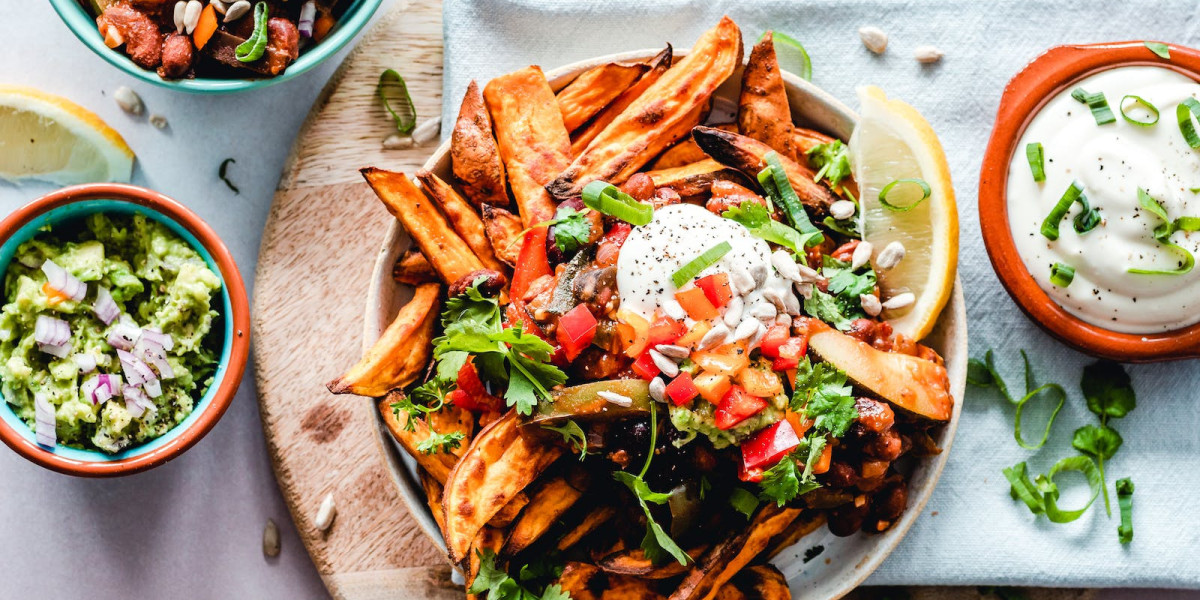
column 1111, row 162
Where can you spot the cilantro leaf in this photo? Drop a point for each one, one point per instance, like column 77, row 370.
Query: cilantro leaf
column 1108, row 390
column 440, row 442
column 832, row 161
column 784, row 481
column 656, row 544
column 826, row 308
column 571, row 229
column 847, row 286
column 497, row 584
column 743, row 501
column 822, row 394
column 555, row 592
column 1101, row 443
column 572, row 434
column 489, row 578
column 756, row 218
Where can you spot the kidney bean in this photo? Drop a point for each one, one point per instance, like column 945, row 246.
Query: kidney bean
column 845, row 252
column 283, row 44
column 841, row 475
column 176, row 56
column 874, row 415
column 884, row 446
column 846, row 520
column 143, row 40
column 640, row 186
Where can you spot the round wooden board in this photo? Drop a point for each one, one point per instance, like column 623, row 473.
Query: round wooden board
column 313, row 272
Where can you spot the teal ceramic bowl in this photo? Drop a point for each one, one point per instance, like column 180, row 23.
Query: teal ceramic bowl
column 77, row 202
column 83, row 25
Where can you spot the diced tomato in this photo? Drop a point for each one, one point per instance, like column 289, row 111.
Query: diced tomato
column 644, row 367
column 727, row 360
column 766, row 447
column 790, row 353
column 696, row 304
column 664, row 330
column 682, row 389
column 471, row 393
column 532, row 262
column 469, row 382
column 712, row 387
column 694, row 335
column 775, row 337
column 716, row 288
column 736, row 406
column 462, row 399
column 576, row 329
column 634, row 331
column 609, row 247
column 516, row 312
column 753, row 475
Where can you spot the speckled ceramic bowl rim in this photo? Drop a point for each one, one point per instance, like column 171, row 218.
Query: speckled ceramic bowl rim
column 81, row 23
column 1055, row 70
column 235, row 348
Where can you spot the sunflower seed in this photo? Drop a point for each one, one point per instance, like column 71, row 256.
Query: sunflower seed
column 773, row 295
column 841, row 210
column 790, row 304
column 900, row 301
column 890, row 256
column 873, row 38
column 427, row 132
column 861, row 256
column 178, row 15
column 129, row 101
column 664, row 364
column 326, row 513
column 759, row 272
column 763, row 310
column 807, row 274
column 158, row 121
column 784, row 320
column 928, row 54
column 870, row 304
column 783, row 263
column 271, row 539
column 672, row 351
column 805, row 290
column 191, row 15
column 715, row 337
column 219, row 6
column 615, row 398
column 757, row 338
column 658, row 389
column 673, row 309
column 745, row 330
column 742, row 280
column 397, row 142
column 733, row 311
column 236, row 11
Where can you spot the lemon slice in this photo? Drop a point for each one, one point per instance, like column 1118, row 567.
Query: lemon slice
column 892, row 141
column 52, row 139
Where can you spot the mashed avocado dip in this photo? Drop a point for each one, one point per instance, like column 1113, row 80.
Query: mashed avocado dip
column 106, row 332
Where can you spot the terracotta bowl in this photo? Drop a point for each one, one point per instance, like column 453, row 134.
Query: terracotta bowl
column 846, row 562
column 1058, row 69
column 234, row 325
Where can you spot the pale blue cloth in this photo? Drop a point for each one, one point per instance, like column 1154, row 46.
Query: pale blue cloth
column 972, row 532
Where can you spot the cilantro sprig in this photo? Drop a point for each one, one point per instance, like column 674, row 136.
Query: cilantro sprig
column 656, row 544
column 498, row 585
column 573, row 435
column 757, row 219
column 832, row 161
column 440, row 442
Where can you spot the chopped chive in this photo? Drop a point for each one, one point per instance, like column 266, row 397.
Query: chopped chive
column 1163, row 232
column 1125, row 500
column 926, row 191
column 1088, row 217
column 1145, row 104
column 700, row 263
column 1037, row 157
column 1097, row 103
column 604, row 197
column 1062, row 274
column 391, row 88
column 1050, row 225
column 1159, row 48
column 1183, row 113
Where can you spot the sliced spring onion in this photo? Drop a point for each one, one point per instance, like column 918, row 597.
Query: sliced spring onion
column 926, row 191
column 775, row 181
column 1049, row 489
column 1054, row 390
column 1184, row 113
column 1163, row 232
column 1125, row 500
column 694, row 266
column 391, row 88
column 605, row 198
column 252, row 49
column 1159, row 48
column 1022, row 488
column 1088, row 217
column 1037, row 158
column 1097, row 103
column 1062, row 274
column 791, row 55
column 1145, row 104
column 1050, row 225
column 223, row 173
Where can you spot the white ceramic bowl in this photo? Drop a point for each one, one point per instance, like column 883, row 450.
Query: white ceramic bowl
column 846, row 562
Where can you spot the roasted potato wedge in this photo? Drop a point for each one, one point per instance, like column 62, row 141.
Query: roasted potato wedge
column 534, row 143
column 807, row 523
column 587, row 582
column 656, row 67
column 589, row 93
column 449, row 254
column 730, row 555
column 489, row 538
column 686, row 151
column 412, row 268
column 763, row 111
column 433, row 498
column 466, row 222
column 697, row 178
column 807, row 139
column 474, row 157
column 550, row 502
column 509, row 513
column 496, row 467
column 591, row 522
column 761, row 582
column 746, row 155
column 439, row 464
column 504, row 232
column 633, row 562
column 399, row 356
column 651, row 122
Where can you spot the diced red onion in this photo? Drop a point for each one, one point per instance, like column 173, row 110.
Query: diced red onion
column 106, row 308
column 100, row 388
column 154, row 354
column 136, row 371
column 63, row 282
column 136, row 401
column 56, row 351
column 45, row 421
column 85, row 362
column 48, row 330
column 164, row 340
column 123, row 336
column 153, row 388
column 308, row 14
column 88, row 389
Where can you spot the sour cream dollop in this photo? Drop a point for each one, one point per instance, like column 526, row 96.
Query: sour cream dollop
column 1111, row 162
column 677, row 234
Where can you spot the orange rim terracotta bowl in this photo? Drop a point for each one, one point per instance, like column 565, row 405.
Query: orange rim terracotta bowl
column 1057, row 69
column 78, row 201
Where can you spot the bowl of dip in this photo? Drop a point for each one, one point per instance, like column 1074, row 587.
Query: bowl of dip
column 124, row 330
column 1087, row 196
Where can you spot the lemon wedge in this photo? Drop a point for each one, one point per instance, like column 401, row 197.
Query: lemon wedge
column 50, row 138
column 892, row 142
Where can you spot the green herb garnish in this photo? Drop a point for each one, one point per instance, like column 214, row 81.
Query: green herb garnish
column 743, row 501
column 926, row 191
column 571, row 229
column 656, row 544
column 1097, row 103
column 1163, row 232
column 984, row 374
column 1036, row 157
column 757, row 219
column 1125, row 501
column 1184, row 113
column 393, row 92
column 1159, row 48
column 223, row 173
column 440, row 442
column 774, row 181
column 573, row 435
column 700, row 263
column 1087, row 219
column 1138, row 100
column 499, row 586
column 606, row 199
column 832, row 161
column 252, row 49
column 1062, row 274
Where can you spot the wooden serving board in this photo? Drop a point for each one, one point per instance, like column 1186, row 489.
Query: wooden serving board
column 318, row 248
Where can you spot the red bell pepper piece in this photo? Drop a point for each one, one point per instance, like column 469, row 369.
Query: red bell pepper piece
column 790, row 353
column 752, row 475
column 532, row 262
column 644, row 367
column 766, row 447
column 576, row 329
column 682, row 389
column 716, row 288
column 736, row 406
column 776, row 336
column 664, row 330
column 471, row 393
column 516, row 312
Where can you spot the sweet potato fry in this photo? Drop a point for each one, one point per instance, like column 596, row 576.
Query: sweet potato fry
column 509, row 513
column 634, row 562
column 696, row 178
column 685, row 151
column 433, row 498
column 763, row 112
column 412, row 268
column 489, row 538
column 807, row 523
column 728, row 557
column 590, row 523
column 646, row 128
column 657, row 66
column 474, row 157
column 587, row 582
column 807, row 139
column 496, row 467
column 504, row 232
column 550, row 502
column 438, row 465
column 746, row 155
column 534, row 143
column 400, row 354
column 463, row 218
column 761, row 582
column 589, row 93
column 449, row 254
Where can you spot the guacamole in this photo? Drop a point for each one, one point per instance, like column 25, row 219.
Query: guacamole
column 166, row 347
column 699, row 420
